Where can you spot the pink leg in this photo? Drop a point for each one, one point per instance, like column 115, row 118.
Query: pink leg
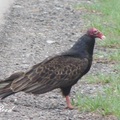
column 69, row 106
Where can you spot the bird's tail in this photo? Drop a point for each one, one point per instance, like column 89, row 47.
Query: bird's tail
column 5, row 89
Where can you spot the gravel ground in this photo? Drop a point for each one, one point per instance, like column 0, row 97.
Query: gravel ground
column 34, row 30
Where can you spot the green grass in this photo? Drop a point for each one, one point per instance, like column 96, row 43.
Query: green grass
column 106, row 102
column 102, row 78
column 103, row 104
column 104, row 15
column 117, row 68
column 113, row 55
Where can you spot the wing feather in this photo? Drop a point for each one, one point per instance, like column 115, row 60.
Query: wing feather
column 53, row 73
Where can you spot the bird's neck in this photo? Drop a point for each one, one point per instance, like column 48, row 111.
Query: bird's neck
column 84, row 46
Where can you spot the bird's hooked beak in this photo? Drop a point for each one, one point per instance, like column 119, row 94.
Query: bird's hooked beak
column 102, row 37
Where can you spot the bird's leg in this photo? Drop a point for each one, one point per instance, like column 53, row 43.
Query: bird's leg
column 66, row 92
column 69, row 105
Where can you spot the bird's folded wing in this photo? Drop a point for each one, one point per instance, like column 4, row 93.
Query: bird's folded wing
column 56, row 72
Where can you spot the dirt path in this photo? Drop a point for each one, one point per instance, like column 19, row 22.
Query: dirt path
column 35, row 29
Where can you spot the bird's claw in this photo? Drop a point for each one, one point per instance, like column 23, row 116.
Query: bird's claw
column 69, row 107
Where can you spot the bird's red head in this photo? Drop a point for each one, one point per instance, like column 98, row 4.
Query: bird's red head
column 95, row 33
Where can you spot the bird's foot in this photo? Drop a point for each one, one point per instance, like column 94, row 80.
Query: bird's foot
column 70, row 107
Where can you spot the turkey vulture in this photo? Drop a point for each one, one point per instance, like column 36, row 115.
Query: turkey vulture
column 61, row 71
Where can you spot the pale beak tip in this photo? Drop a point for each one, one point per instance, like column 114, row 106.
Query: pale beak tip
column 103, row 37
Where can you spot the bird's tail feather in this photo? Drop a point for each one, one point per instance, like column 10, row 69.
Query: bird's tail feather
column 5, row 89
column 5, row 92
column 5, row 85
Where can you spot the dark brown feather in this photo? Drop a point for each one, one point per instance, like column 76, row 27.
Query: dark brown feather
column 5, row 84
column 7, row 81
column 56, row 72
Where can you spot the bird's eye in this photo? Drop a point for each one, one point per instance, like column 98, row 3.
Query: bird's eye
column 95, row 32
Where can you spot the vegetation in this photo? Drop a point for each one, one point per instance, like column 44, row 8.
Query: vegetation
column 104, row 15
